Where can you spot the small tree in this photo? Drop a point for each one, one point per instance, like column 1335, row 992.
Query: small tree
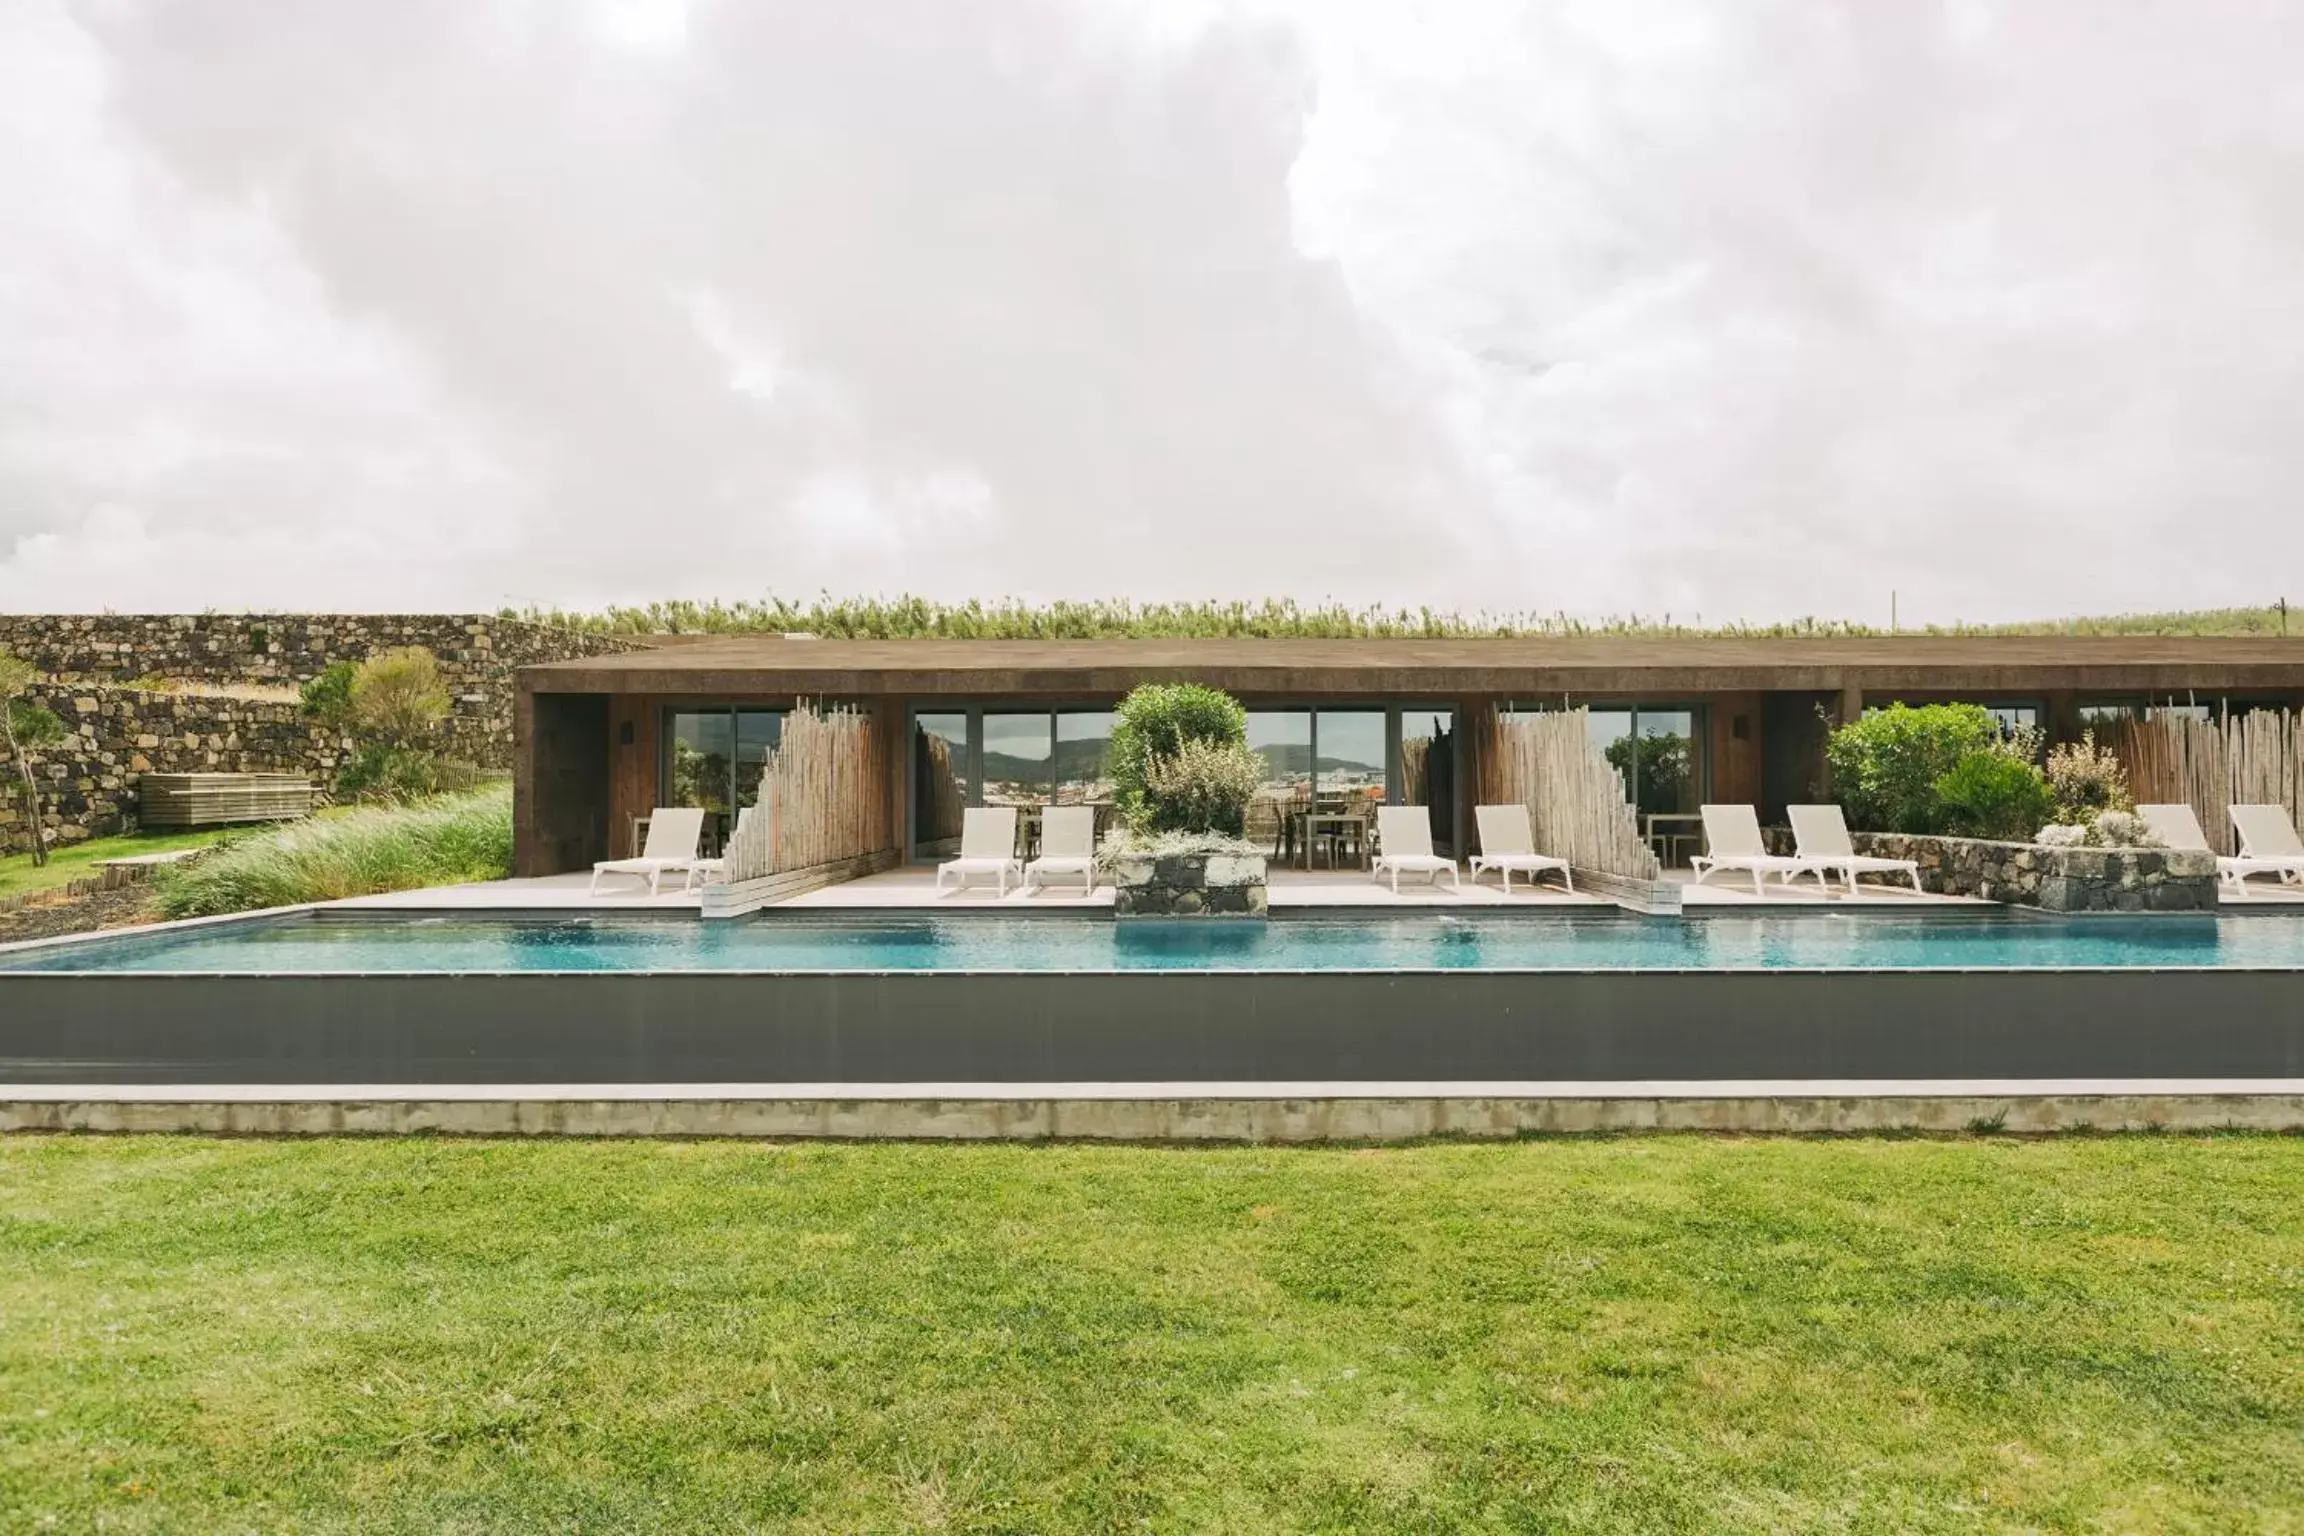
column 1886, row 766
column 328, row 697
column 397, row 697
column 27, row 728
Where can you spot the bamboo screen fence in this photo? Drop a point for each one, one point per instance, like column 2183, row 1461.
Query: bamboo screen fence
column 2251, row 759
column 1574, row 795
column 823, row 796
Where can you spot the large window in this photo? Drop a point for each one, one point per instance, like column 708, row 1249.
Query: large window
column 1084, row 757
column 1282, row 738
column 1428, row 769
column 713, row 759
column 1019, row 756
column 1027, row 758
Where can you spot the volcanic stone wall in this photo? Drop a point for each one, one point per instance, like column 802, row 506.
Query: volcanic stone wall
column 478, row 655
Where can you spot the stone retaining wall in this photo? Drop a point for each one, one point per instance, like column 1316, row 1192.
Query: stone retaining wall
column 1189, row 885
column 478, row 655
column 88, row 785
column 2055, row 879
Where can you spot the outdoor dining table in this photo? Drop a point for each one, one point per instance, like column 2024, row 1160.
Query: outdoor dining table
column 1310, row 822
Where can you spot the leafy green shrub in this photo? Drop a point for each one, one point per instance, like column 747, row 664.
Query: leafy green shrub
column 327, row 698
column 445, row 841
column 380, row 772
column 1993, row 794
column 1203, row 786
column 1886, row 766
column 1155, row 722
column 2086, row 781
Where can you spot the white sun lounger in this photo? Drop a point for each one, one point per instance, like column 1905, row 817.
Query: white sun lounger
column 1404, row 840
column 1507, row 843
column 674, row 833
column 2178, row 827
column 2268, row 838
column 1821, row 832
column 987, row 847
column 1732, row 842
column 1067, row 846
column 707, row 868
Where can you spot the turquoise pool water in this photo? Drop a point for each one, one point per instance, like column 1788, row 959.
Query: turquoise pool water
column 1871, row 941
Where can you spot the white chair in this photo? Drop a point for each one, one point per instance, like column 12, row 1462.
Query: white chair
column 2268, row 842
column 1067, row 846
column 707, row 868
column 674, row 834
column 1732, row 842
column 2178, row 827
column 1404, row 842
column 1821, row 832
column 987, row 847
column 1508, row 843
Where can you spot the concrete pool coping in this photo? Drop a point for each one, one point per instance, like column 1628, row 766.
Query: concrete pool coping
column 1309, row 1111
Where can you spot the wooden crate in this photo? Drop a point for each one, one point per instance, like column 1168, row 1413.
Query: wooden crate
column 215, row 799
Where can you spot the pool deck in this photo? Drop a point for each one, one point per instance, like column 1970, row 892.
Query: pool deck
column 914, row 889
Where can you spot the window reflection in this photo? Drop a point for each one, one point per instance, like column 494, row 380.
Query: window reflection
column 939, row 781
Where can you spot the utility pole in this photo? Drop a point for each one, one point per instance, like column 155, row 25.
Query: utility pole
column 1892, row 611
column 2282, row 605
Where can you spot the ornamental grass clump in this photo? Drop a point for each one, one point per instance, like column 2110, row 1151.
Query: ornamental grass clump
column 450, row 840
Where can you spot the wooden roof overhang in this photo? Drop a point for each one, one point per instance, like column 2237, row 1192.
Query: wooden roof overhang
column 769, row 667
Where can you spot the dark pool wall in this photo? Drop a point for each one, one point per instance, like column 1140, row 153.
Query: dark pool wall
column 1469, row 1026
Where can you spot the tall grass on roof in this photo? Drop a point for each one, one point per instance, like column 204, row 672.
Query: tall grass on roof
column 446, row 840
column 918, row 618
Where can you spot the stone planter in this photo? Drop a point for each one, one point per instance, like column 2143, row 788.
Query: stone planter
column 2056, row 879
column 1188, row 885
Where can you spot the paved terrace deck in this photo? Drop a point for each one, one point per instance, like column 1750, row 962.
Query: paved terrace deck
column 914, row 889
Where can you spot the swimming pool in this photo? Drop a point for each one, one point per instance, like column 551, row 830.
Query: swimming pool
column 308, row 945
column 977, row 1000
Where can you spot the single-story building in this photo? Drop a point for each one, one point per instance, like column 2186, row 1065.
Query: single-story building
column 601, row 740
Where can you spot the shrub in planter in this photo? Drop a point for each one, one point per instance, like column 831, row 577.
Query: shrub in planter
column 2086, row 781
column 1887, row 765
column 1151, row 728
column 1203, row 786
column 1993, row 794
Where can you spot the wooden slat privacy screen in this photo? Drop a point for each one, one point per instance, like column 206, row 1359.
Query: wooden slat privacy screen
column 823, row 796
column 2251, row 759
column 1575, row 797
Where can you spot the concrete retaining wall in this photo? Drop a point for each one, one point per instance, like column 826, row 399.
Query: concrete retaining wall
column 1153, row 1116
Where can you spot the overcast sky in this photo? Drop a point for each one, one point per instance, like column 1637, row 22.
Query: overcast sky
column 1751, row 310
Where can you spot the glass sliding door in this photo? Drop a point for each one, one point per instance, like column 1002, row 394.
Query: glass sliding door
column 939, row 782
column 1428, row 769
column 1282, row 738
column 758, row 731
column 1083, row 757
column 1019, row 755
column 1611, row 731
column 1664, row 763
column 700, row 766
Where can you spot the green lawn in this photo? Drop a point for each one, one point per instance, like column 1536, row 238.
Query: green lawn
column 75, row 861
column 1634, row 1335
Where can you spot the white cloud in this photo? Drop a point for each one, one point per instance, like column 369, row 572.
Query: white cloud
column 1642, row 305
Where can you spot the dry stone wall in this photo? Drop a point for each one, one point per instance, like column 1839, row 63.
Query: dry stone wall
column 478, row 655
column 2056, row 879
column 88, row 785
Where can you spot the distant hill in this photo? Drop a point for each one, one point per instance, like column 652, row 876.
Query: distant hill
column 913, row 618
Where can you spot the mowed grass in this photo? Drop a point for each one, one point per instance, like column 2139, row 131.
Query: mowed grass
column 68, row 862
column 1636, row 1335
